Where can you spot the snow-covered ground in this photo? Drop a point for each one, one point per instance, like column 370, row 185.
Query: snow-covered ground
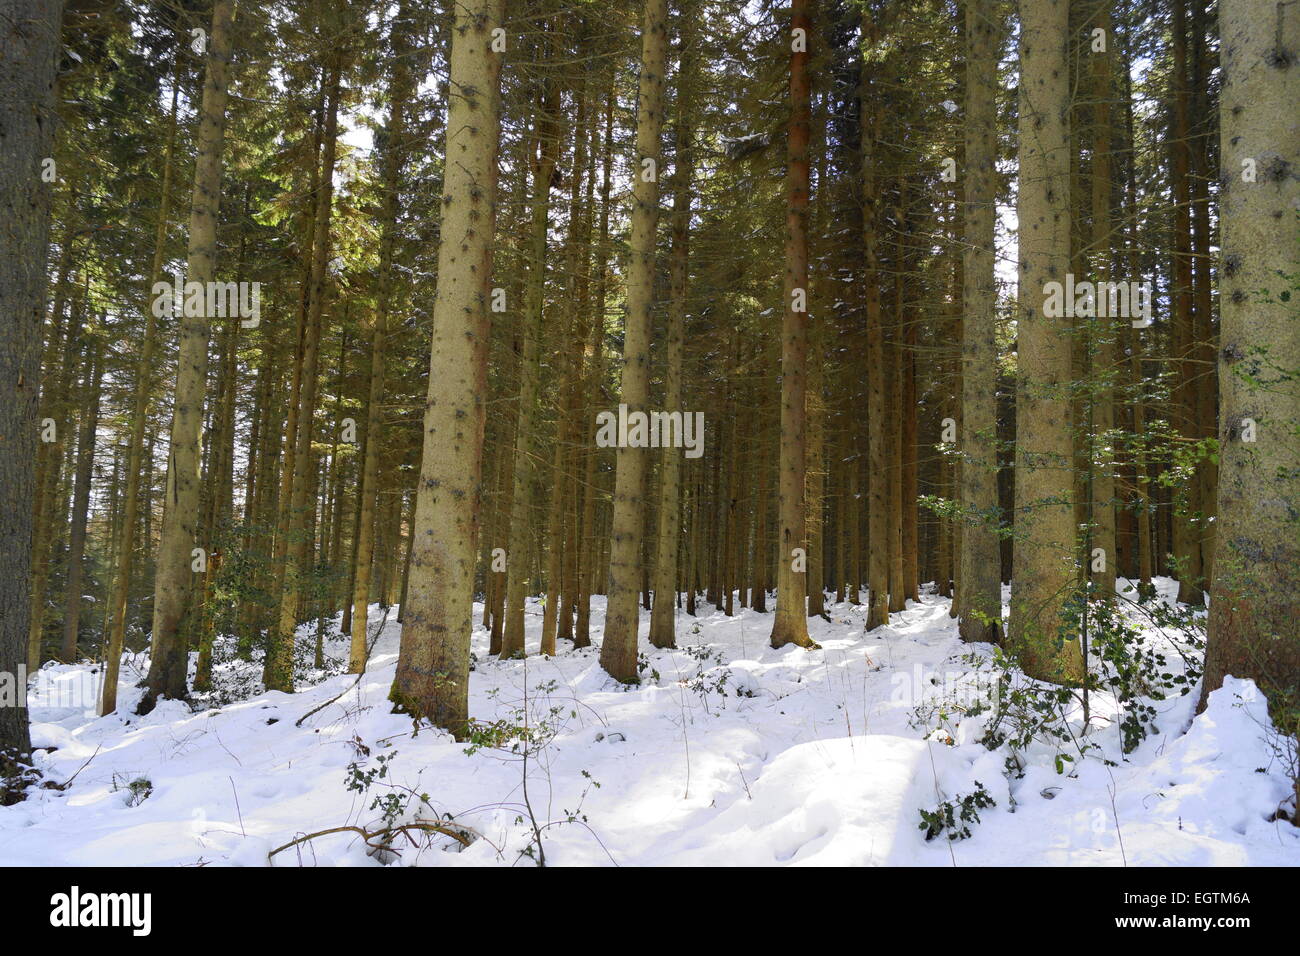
column 728, row 753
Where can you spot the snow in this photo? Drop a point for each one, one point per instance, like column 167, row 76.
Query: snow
column 728, row 753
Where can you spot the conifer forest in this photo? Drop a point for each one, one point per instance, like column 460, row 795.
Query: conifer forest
column 649, row 433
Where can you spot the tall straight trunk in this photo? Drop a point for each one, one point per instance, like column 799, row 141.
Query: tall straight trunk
column 758, row 570
column 953, row 467
column 877, row 420
column 268, row 617
column 734, row 534
column 908, row 424
column 220, row 470
column 433, row 663
column 141, row 391
column 567, row 367
column 278, row 669
column 575, row 392
column 664, row 615
column 618, row 652
column 1204, row 393
column 81, row 501
column 506, row 492
column 406, row 562
column 588, row 555
column 1045, row 561
column 111, row 520
column 173, row 579
column 1186, row 527
column 646, row 540
column 400, row 90
column 980, row 587
column 58, row 401
column 1256, row 598
column 520, row 580
column 588, row 552
column 29, row 54
column 694, row 542
column 894, row 353
column 790, row 625
column 1142, row 503
column 713, row 592
column 815, row 478
column 47, row 451
column 850, row 437
column 1104, row 330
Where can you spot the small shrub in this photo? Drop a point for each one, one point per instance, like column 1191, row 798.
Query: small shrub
column 955, row 817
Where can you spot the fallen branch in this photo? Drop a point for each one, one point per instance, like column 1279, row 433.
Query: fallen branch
column 382, row 839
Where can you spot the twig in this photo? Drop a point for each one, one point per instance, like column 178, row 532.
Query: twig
column 67, row 783
column 237, row 809
column 369, row 649
column 385, row 835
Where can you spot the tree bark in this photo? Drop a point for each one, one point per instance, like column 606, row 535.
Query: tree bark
column 664, row 614
column 1256, row 597
column 980, row 584
column 432, row 677
column 790, row 625
column 520, row 580
column 1045, row 561
column 81, row 501
column 400, row 90
column 169, row 659
column 619, row 649
column 877, row 403
column 29, row 55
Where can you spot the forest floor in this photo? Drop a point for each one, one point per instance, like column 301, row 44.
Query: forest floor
column 728, row 753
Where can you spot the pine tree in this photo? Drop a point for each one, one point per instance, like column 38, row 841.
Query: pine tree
column 619, row 650
column 1045, row 563
column 432, row 678
column 169, row 661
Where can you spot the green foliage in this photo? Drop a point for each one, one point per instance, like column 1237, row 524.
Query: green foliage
column 137, row 789
column 1129, row 645
column 1134, row 668
column 955, row 817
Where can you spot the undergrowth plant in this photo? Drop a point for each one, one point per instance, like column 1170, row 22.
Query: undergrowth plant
column 955, row 817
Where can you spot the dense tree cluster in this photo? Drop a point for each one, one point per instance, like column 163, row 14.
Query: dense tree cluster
column 312, row 305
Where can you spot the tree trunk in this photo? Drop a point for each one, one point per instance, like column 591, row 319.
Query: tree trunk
column 432, row 677
column 816, row 472
column 664, row 615
column 400, row 90
column 81, row 501
column 169, row 659
column 981, row 588
column 1187, row 503
column 619, row 650
column 29, row 55
column 141, row 392
column 877, row 423
column 568, row 367
column 1045, row 563
column 790, row 625
column 278, row 669
column 519, row 579
column 58, row 402
column 1104, row 331
column 1256, row 598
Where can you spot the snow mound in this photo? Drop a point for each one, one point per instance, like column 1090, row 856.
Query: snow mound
column 850, row 801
